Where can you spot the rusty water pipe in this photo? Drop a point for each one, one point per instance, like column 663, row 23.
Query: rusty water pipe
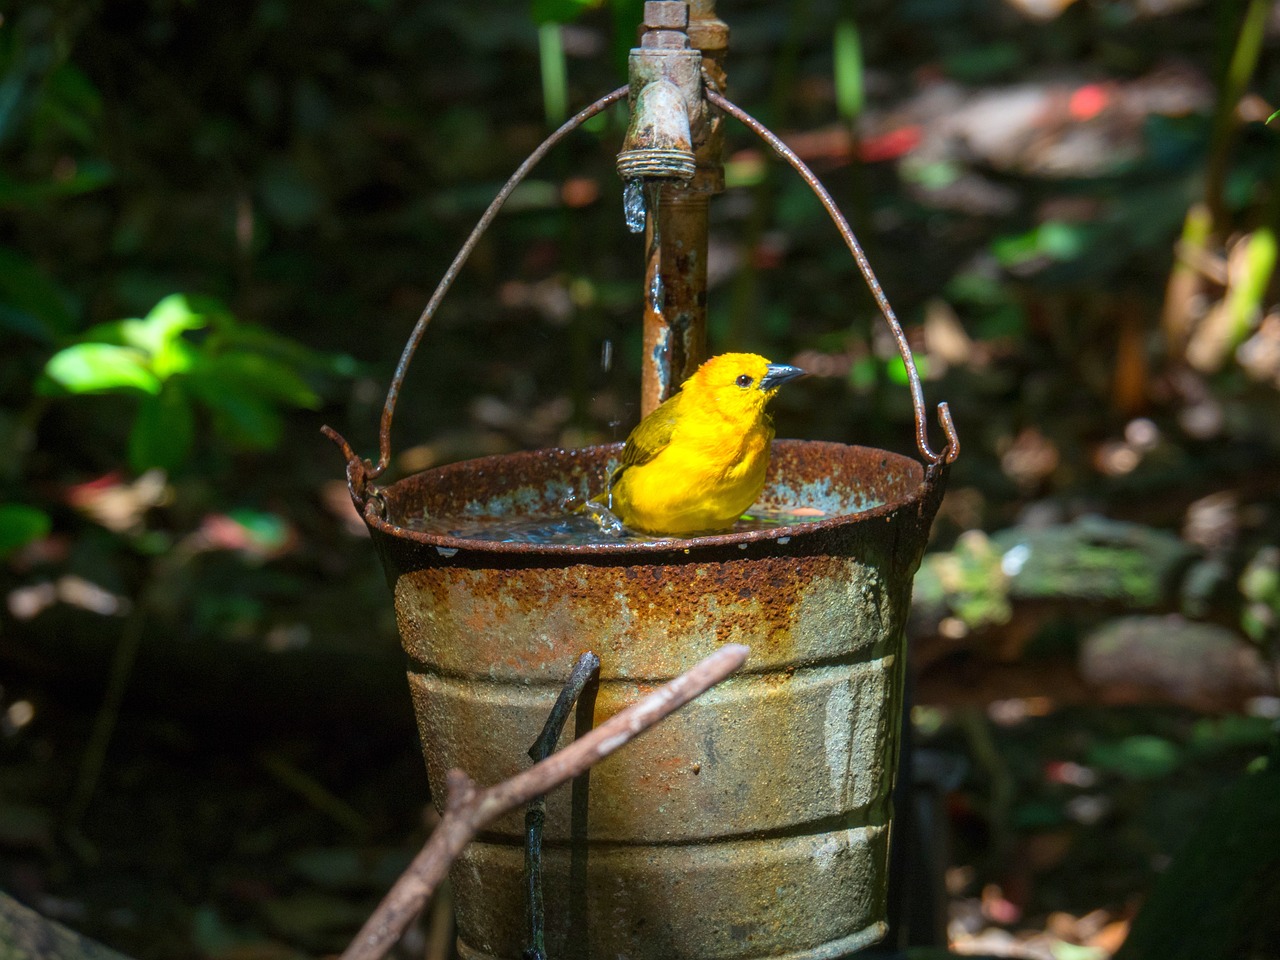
column 671, row 159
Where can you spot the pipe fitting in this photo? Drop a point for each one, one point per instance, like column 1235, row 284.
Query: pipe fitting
column 659, row 143
column 665, row 98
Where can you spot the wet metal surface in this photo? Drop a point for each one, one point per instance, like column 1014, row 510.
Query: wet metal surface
column 674, row 147
column 754, row 822
column 675, row 326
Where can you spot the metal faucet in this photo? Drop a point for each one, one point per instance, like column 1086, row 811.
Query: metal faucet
column 673, row 146
column 665, row 98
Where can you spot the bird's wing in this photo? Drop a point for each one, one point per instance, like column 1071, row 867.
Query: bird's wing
column 651, row 434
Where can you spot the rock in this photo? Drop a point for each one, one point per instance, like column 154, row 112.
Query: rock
column 1195, row 664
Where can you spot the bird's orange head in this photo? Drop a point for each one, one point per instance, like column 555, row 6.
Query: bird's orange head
column 738, row 385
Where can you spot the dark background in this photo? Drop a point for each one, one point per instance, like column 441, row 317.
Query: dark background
column 206, row 747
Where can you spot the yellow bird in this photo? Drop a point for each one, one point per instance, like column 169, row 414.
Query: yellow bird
column 697, row 462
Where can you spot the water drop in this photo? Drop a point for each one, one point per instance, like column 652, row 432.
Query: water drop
column 603, row 518
column 606, row 356
column 657, row 293
column 633, row 205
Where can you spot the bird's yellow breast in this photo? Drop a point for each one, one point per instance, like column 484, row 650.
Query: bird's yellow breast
column 711, row 471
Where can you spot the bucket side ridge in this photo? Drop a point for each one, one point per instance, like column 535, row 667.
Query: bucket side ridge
column 811, row 897
column 757, row 755
column 650, row 621
column 753, row 822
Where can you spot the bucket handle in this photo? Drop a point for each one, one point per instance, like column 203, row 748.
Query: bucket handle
column 952, row 449
column 361, row 472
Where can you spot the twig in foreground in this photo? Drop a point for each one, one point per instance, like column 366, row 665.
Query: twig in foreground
column 468, row 807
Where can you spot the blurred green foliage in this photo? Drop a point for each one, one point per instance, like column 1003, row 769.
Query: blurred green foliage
column 243, row 377
column 19, row 525
column 303, row 172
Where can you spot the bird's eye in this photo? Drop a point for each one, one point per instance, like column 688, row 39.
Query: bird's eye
column 743, row 381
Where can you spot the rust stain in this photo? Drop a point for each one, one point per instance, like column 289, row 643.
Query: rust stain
column 799, row 741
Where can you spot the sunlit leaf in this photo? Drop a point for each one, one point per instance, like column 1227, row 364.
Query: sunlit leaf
column 555, row 74
column 96, row 367
column 847, row 57
column 1065, row 950
column 745, row 169
column 897, row 369
column 1250, row 282
column 19, row 525
column 1053, row 240
column 156, row 332
column 163, row 431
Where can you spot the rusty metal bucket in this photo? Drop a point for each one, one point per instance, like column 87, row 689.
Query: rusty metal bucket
column 754, row 823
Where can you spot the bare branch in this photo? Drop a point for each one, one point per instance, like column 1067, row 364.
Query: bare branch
column 469, row 808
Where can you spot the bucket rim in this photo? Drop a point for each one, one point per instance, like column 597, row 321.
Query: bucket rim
column 925, row 480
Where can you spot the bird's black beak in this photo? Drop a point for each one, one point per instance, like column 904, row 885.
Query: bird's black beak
column 778, row 374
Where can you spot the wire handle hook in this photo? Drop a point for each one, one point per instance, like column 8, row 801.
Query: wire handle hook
column 361, row 472
column 952, row 449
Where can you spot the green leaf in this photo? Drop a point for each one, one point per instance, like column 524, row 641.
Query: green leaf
column 250, row 374
column 267, row 532
column 245, row 421
column 1053, row 240
column 560, row 11
column 19, row 525
column 896, row 368
column 930, row 174
column 163, row 431
column 112, row 332
column 862, row 374
column 71, row 104
column 157, row 332
column 30, row 302
column 255, row 339
column 624, row 14
column 1244, row 300
column 1139, row 757
column 89, row 175
column 96, row 367
column 847, row 56
column 555, row 74
column 1272, row 117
